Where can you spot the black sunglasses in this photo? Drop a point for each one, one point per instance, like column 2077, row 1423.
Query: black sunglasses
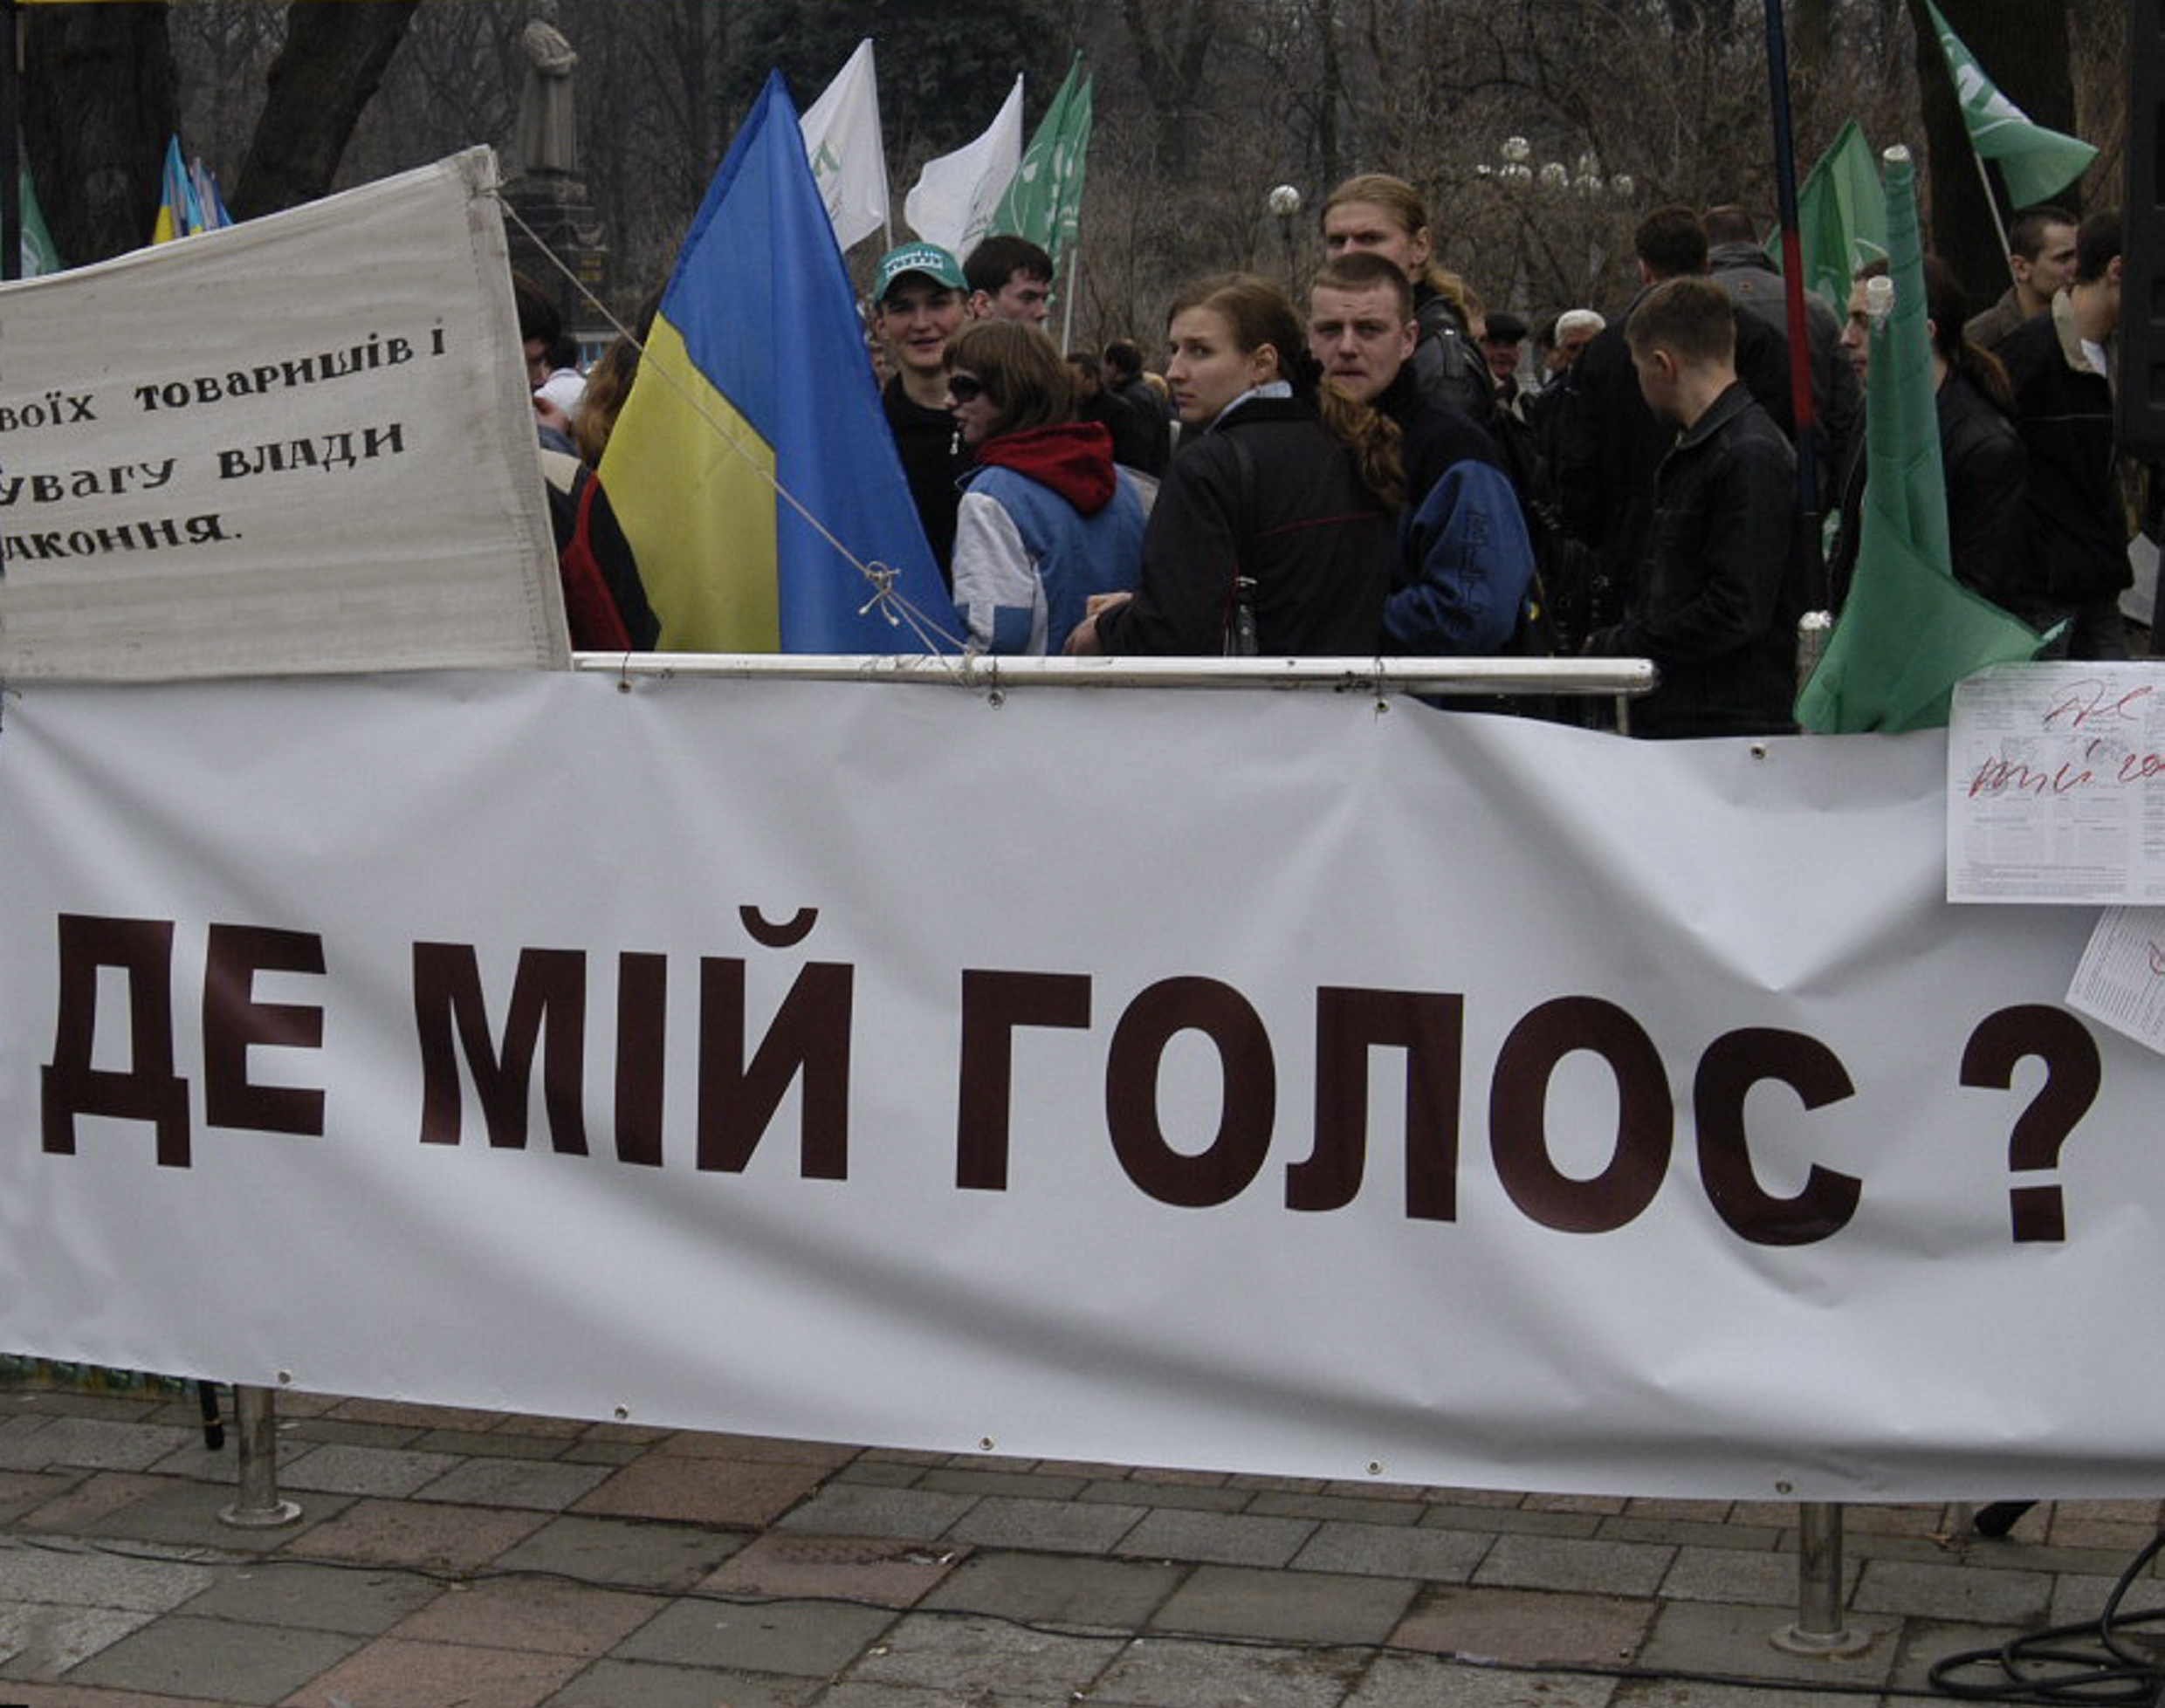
column 965, row 388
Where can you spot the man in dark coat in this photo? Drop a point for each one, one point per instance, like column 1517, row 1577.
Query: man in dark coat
column 1739, row 265
column 1466, row 560
column 917, row 307
column 1607, row 443
column 1716, row 596
column 2060, row 365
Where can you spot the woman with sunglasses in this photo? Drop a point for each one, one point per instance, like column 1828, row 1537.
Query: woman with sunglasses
column 1046, row 520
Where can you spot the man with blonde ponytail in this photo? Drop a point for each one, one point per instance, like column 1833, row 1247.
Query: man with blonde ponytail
column 1378, row 213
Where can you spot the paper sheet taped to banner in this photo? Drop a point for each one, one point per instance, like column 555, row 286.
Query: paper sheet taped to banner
column 302, row 444
column 1321, row 1083
column 2056, row 785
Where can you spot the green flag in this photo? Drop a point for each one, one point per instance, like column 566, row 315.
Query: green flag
column 1044, row 202
column 1841, row 218
column 40, row 256
column 1910, row 631
column 2034, row 162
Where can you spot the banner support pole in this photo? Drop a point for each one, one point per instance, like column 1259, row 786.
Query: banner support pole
column 256, row 1418
column 1802, row 405
column 1820, row 1628
column 10, row 143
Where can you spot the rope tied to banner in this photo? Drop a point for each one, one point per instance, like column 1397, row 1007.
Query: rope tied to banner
column 882, row 578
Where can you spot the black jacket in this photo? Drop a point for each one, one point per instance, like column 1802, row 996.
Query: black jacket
column 1292, row 514
column 2077, row 529
column 1838, row 402
column 1987, row 479
column 1148, row 408
column 1981, row 458
column 1722, row 583
column 1607, row 442
column 933, row 459
column 1452, row 374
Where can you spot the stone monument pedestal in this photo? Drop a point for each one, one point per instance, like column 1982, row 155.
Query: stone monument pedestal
column 556, row 206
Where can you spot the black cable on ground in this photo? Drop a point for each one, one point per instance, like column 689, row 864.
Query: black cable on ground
column 2086, row 1662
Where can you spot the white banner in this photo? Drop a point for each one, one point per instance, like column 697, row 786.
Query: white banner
column 300, row 444
column 956, row 196
column 849, row 156
column 1035, row 1072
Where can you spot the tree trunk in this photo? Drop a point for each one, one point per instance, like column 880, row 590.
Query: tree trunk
column 1330, row 97
column 1173, row 46
column 97, row 111
column 2022, row 46
column 332, row 63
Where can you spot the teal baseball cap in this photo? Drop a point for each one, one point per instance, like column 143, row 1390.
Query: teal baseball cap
column 930, row 259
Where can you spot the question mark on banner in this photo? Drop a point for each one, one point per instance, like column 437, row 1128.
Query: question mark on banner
column 2072, row 1073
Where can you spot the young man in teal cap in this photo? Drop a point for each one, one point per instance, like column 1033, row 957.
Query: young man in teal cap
column 918, row 299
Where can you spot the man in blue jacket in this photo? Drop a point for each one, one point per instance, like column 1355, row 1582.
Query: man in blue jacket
column 1466, row 560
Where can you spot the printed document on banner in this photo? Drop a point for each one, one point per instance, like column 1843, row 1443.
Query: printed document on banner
column 2056, row 785
column 2121, row 980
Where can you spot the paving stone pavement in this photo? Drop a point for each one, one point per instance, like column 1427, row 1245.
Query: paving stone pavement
column 455, row 1559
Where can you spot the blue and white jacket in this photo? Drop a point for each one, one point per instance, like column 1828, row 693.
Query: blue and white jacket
column 1046, row 520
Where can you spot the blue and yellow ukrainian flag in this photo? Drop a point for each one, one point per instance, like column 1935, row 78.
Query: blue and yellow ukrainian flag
column 179, row 214
column 756, row 372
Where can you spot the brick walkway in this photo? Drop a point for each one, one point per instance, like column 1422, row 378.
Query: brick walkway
column 459, row 1558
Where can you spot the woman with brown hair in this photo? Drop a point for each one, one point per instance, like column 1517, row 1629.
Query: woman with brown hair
column 1277, row 529
column 1047, row 521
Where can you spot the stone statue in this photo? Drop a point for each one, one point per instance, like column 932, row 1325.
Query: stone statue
column 548, row 128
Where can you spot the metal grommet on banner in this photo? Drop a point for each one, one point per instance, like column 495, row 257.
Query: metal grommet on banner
column 981, row 670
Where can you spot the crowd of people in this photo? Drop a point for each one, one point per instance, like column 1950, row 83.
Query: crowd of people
column 1383, row 467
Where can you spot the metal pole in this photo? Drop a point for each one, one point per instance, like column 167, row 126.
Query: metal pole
column 1575, row 676
column 10, row 145
column 1999, row 220
column 1067, row 317
column 255, row 1419
column 1814, row 630
column 1793, row 288
column 1818, row 1629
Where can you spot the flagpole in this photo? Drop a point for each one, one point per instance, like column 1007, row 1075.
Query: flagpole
column 1793, row 292
column 1992, row 206
column 11, row 146
column 1066, row 319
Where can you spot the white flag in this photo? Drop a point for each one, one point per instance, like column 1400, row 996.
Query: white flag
column 956, row 194
column 842, row 140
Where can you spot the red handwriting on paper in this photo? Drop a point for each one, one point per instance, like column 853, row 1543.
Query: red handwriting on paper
column 1999, row 777
column 2104, row 761
column 2092, row 701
